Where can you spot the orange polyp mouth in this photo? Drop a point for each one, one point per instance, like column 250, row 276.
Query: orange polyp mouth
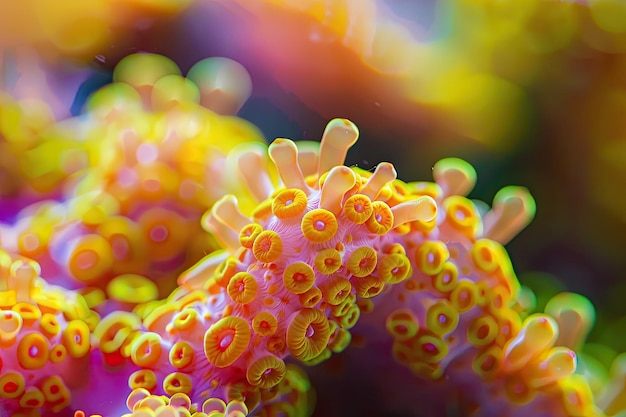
column 159, row 233
column 120, row 247
column 86, row 259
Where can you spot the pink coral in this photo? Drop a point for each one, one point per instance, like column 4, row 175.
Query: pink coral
column 327, row 244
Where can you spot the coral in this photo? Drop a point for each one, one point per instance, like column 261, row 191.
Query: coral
column 126, row 179
column 63, row 28
column 45, row 337
column 328, row 244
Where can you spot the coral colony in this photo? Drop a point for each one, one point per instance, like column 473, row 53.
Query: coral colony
column 299, row 257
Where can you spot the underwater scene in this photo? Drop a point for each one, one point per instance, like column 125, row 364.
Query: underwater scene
column 313, row 208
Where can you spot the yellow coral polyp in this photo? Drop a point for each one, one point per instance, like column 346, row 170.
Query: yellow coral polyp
column 298, row 277
column 463, row 296
column 56, row 393
column 58, row 353
column 181, row 354
column 11, row 385
column 381, row 220
column 485, row 255
column 358, row 208
column 264, row 323
column 510, row 324
column 289, row 203
column 327, row 261
column 32, row 398
column 10, row 326
column 180, row 400
column 488, row 363
column 403, row 353
column 32, row 351
column 248, row 234
column 29, row 312
column 157, row 316
column 482, row 331
column 125, row 237
column 213, row 405
column 114, row 329
column 185, row 320
column 225, row 272
column 266, row 371
column 275, row 344
column 394, row 268
column 76, row 339
column 319, row 225
column 402, row 324
column 242, row 288
column 164, row 231
column 268, row 246
column 430, row 348
column 340, row 340
column 177, row 382
column 350, row 318
column 132, row 288
column 226, row 340
column 146, row 350
column 461, row 213
column 368, row 286
column 91, row 258
column 341, row 309
column 445, row 281
column 307, row 334
column 431, row 257
column 362, row 261
column 143, row 378
column 441, row 318
column 336, row 290
column 311, row 297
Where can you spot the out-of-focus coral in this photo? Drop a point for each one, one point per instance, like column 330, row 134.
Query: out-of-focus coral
column 126, row 182
column 77, row 29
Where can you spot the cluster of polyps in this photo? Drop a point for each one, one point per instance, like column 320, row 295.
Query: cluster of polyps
column 305, row 263
column 289, row 287
column 326, row 246
column 45, row 339
column 126, row 179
